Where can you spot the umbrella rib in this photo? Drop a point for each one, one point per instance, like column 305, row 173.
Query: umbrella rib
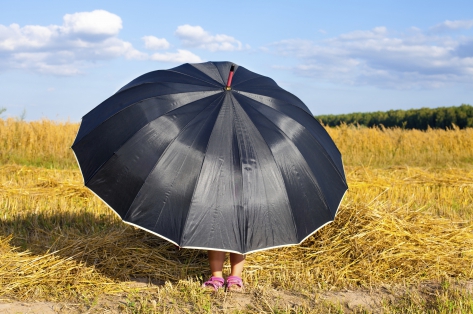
column 98, row 168
column 312, row 177
column 197, row 78
column 213, row 92
column 279, row 171
column 253, row 78
column 198, row 177
column 164, row 152
column 141, row 100
column 138, row 85
column 241, row 92
column 186, row 155
column 241, row 167
column 124, row 88
column 215, row 71
column 290, row 244
column 321, row 146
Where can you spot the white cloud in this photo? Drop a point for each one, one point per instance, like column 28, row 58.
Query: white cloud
column 98, row 23
column 181, row 56
column 155, row 43
column 377, row 32
column 196, row 36
column 87, row 37
column 375, row 57
column 14, row 37
column 452, row 25
column 65, row 49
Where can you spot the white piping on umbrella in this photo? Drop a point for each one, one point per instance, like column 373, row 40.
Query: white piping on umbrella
column 271, row 247
column 326, row 222
column 214, row 249
column 343, row 168
column 258, row 250
column 115, row 212
column 130, row 223
column 293, row 244
column 77, row 160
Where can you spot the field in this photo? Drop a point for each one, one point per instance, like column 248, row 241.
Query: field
column 403, row 237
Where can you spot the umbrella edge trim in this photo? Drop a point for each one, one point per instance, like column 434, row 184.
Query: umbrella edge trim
column 221, row 250
column 132, row 224
column 267, row 248
column 258, row 250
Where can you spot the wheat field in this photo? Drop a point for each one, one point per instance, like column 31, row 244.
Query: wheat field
column 406, row 218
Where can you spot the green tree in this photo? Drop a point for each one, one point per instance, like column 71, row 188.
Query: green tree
column 442, row 117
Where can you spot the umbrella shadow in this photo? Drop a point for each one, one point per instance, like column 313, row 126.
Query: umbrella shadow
column 114, row 249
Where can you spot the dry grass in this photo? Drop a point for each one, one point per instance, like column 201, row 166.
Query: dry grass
column 42, row 143
column 384, row 232
column 46, row 143
column 380, row 147
column 406, row 218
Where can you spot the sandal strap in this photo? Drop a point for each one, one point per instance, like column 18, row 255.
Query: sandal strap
column 234, row 280
column 214, row 282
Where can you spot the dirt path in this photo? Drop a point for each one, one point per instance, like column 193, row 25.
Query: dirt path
column 256, row 300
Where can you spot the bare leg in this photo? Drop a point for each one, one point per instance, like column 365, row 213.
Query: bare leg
column 237, row 262
column 216, row 260
column 234, row 283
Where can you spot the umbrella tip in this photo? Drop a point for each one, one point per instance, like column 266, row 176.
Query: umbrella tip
column 230, row 77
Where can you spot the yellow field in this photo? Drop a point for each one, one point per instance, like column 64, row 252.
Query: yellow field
column 406, row 218
column 47, row 144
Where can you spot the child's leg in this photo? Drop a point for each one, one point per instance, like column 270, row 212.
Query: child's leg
column 216, row 260
column 237, row 261
column 234, row 282
column 216, row 281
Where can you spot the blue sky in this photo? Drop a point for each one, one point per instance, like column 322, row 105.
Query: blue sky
column 59, row 59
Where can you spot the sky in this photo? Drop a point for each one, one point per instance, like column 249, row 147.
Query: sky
column 60, row 59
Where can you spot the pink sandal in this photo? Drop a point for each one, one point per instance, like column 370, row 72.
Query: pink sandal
column 234, row 284
column 214, row 283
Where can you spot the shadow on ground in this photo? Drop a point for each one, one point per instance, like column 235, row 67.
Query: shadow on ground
column 114, row 249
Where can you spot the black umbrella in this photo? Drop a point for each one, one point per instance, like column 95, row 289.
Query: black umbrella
column 212, row 156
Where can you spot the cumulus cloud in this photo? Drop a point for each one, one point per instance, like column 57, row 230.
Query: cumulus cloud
column 64, row 49
column 196, row 36
column 96, row 23
column 87, row 37
column 155, row 43
column 181, row 56
column 376, row 57
column 452, row 25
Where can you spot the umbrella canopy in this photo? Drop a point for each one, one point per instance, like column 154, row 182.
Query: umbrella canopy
column 212, row 156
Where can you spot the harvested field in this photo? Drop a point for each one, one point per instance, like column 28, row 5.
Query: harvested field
column 406, row 220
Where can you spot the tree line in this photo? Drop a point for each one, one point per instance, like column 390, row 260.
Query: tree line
column 442, row 117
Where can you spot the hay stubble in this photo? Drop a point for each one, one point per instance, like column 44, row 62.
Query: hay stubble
column 406, row 218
